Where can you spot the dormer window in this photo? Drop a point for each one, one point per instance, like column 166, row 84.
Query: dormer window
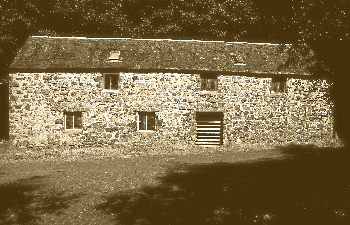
column 114, row 56
column 237, row 59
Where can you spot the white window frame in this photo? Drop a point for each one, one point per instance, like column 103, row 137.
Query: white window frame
column 114, row 53
column 138, row 122
column 104, row 82
column 65, row 121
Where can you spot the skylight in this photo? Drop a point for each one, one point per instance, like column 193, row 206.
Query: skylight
column 114, row 55
column 237, row 59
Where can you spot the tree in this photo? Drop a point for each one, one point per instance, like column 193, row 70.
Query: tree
column 319, row 31
column 324, row 30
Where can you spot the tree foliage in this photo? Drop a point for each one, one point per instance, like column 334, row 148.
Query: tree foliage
column 325, row 31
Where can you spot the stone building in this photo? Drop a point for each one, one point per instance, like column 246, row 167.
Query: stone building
column 97, row 91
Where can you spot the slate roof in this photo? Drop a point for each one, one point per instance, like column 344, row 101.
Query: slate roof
column 93, row 53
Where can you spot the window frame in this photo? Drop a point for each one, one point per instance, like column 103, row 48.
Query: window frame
column 74, row 115
column 208, row 77
column 138, row 121
column 281, row 80
column 115, row 54
column 104, row 82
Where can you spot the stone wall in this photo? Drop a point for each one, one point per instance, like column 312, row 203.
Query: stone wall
column 252, row 113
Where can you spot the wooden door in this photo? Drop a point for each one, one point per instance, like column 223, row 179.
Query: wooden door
column 209, row 128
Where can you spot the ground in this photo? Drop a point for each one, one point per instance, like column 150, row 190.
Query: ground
column 294, row 185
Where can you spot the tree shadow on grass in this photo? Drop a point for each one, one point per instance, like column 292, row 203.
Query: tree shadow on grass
column 24, row 201
column 307, row 187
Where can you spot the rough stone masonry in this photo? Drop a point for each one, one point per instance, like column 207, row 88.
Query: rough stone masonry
column 252, row 112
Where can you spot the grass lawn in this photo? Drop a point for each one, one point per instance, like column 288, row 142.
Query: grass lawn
column 276, row 186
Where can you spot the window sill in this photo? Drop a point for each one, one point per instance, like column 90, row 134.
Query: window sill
column 277, row 93
column 146, row 131
column 114, row 60
column 208, row 92
column 74, row 130
column 110, row 91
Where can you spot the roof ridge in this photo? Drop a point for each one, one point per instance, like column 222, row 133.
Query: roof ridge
column 161, row 39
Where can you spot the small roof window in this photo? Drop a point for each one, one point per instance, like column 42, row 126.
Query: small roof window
column 114, row 56
column 237, row 59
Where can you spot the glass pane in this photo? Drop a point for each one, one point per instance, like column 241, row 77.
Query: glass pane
column 215, row 84
column 273, row 86
column 114, row 82
column 282, row 86
column 208, row 88
column 69, row 121
column 77, row 121
column 203, row 84
column 150, row 121
column 142, row 121
column 212, row 83
column 278, row 86
column 107, row 81
column 208, row 84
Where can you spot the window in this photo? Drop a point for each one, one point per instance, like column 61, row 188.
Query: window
column 111, row 81
column 146, row 121
column 72, row 120
column 278, row 84
column 114, row 55
column 209, row 82
column 237, row 59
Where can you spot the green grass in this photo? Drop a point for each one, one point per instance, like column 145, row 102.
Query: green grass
column 290, row 185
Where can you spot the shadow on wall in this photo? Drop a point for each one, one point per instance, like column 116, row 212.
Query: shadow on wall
column 308, row 186
column 4, row 110
column 22, row 202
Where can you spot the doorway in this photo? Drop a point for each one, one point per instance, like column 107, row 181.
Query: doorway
column 209, row 128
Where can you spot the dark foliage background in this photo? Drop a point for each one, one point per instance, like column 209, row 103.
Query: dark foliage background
column 318, row 30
